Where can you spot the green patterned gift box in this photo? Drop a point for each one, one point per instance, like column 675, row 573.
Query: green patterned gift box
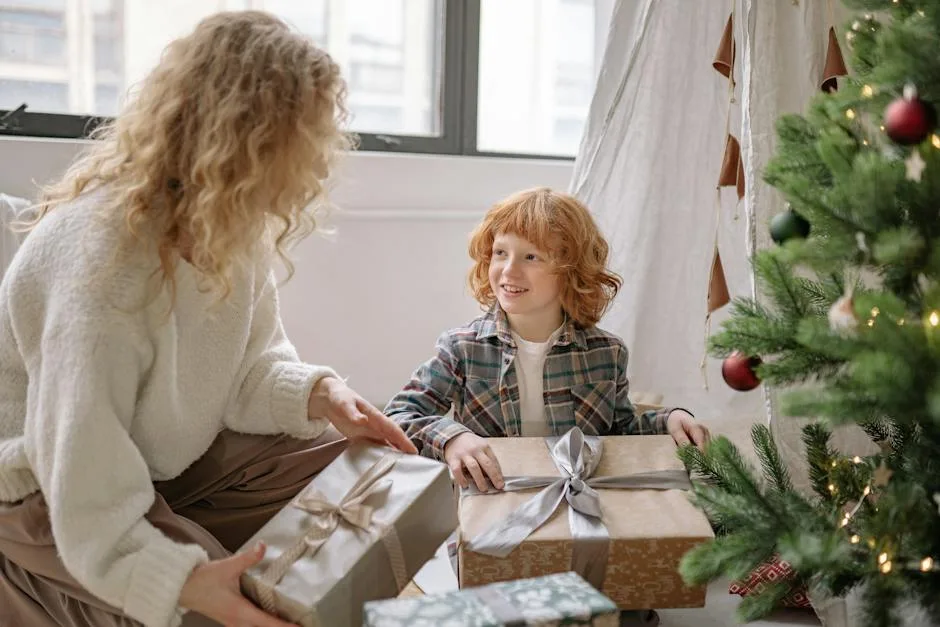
column 550, row 601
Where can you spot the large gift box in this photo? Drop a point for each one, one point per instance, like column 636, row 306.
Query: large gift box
column 554, row 600
column 614, row 509
column 360, row 531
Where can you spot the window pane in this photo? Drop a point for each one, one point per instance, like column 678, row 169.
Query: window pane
column 390, row 52
column 42, row 96
column 537, row 74
column 33, row 33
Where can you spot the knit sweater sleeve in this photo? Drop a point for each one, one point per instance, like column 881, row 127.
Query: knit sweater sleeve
column 275, row 384
column 92, row 475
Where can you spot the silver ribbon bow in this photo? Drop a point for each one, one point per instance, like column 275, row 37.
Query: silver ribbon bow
column 351, row 509
column 576, row 456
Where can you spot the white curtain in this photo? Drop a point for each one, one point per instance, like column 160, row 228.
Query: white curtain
column 648, row 168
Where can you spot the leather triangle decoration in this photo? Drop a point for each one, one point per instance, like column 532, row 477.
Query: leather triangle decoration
column 718, row 295
column 834, row 66
column 724, row 58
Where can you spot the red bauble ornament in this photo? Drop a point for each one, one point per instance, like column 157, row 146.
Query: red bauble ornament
column 909, row 120
column 738, row 371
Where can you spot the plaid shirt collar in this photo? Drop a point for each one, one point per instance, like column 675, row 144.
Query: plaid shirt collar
column 496, row 324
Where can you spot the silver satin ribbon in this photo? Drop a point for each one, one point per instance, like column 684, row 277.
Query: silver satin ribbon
column 505, row 611
column 576, row 457
column 352, row 510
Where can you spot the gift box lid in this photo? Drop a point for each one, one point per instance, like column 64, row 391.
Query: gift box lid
column 562, row 596
column 642, row 514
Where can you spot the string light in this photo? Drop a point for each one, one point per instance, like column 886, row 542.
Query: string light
column 871, row 543
column 883, row 558
column 886, row 567
column 855, row 539
column 832, row 488
column 935, row 140
column 834, row 463
column 882, row 127
column 900, row 322
column 857, row 460
column 871, row 322
column 866, row 491
column 850, row 114
column 874, row 312
column 934, row 318
column 926, row 564
column 867, row 91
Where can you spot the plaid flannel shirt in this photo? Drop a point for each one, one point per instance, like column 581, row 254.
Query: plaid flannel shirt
column 585, row 384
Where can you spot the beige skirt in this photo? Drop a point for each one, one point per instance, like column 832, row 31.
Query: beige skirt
column 218, row 503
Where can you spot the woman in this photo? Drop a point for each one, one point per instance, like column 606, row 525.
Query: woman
column 153, row 414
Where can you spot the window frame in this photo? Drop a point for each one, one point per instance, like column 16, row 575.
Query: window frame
column 459, row 94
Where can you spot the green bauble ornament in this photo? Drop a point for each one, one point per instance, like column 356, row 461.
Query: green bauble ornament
column 788, row 225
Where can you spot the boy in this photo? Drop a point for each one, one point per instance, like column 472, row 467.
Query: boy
column 534, row 364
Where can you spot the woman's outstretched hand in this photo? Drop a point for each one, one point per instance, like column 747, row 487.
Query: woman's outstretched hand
column 355, row 417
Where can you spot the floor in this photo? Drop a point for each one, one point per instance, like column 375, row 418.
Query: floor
column 719, row 612
column 438, row 575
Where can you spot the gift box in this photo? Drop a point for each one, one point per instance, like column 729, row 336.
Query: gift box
column 771, row 572
column 360, row 531
column 560, row 599
column 614, row 509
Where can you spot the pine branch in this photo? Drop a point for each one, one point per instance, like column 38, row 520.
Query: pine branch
column 733, row 556
column 879, row 603
column 778, row 278
column 751, row 329
column 703, row 467
column 725, row 508
column 756, row 606
column 819, row 455
column 876, row 429
column 775, row 471
column 738, row 473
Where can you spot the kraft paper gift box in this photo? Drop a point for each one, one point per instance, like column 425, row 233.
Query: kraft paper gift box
column 550, row 601
column 615, row 510
column 360, row 531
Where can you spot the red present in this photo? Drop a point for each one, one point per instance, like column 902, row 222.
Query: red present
column 771, row 572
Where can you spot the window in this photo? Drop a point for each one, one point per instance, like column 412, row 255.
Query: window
column 537, row 74
column 447, row 76
column 44, row 96
column 33, row 33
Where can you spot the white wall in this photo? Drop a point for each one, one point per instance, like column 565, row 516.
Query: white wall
column 371, row 302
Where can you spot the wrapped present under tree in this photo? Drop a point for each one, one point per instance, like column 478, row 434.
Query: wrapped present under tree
column 550, row 601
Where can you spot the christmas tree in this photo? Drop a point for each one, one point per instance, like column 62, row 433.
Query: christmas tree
column 848, row 330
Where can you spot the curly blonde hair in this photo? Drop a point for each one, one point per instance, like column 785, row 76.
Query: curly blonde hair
column 563, row 228
column 224, row 147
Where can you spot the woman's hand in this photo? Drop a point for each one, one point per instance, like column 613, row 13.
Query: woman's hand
column 213, row 590
column 353, row 416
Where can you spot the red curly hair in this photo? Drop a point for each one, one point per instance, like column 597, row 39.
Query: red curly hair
column 562, row 227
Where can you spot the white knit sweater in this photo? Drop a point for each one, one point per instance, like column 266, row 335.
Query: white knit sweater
column 99, row 396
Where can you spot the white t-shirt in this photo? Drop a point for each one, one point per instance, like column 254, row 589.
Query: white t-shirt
column 530, row 367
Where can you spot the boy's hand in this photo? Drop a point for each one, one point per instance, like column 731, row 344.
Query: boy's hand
column 684, row 430
column 469, row 453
